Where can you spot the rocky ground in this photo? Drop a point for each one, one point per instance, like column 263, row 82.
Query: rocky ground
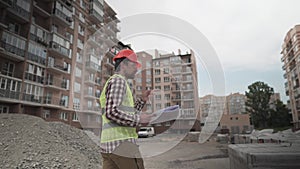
column 30, row 142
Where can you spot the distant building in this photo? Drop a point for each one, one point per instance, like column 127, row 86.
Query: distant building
column 231, row 108
column 175, row 78
column 291, row 65
column 235, row 104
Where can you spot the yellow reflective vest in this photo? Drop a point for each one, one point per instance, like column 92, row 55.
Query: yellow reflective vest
column 112, row 131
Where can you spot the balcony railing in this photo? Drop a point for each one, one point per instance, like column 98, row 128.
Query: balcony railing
column 51, row 100
column 8, row 94
column 38, row 39
column 58, row 84
column 36, row 58
column 59, row 67
column 13, row 49
column 21, row 12
column 34, row 78
column 93, row 66
column 32, row 98
column 59, row 48
column 62, row 16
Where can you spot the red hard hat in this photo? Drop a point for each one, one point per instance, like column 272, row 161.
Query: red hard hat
column 129, row 54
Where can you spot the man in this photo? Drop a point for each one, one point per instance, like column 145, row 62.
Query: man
column 120, row 115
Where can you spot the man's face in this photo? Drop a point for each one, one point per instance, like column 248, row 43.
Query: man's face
column 130, row 69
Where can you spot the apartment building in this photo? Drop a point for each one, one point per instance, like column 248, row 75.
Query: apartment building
column 175, row 77
column 230, row 110
column 50, row 60
column 235, row 104
column 291, row 65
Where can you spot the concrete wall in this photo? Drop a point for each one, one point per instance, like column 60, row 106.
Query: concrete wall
column 264, row 156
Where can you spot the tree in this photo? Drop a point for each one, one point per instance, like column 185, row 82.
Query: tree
column 280, row 116
column 257, row 104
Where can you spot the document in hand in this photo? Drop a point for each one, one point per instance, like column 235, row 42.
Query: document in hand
column 166, row 114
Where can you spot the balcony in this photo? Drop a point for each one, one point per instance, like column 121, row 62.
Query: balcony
column 94, row 15
column 41, row 8
column 36, row 58
column 109, row 64
column 20, row 13
column 8, row 94
column 91, row 95
column 62, row 18
column 12, row 52
column 58, row 68
column 34, row 36
column 57, row 84
column 34, row 78
column 51, row 101
column 32, row 98
column 91, row 66
column 59, row 49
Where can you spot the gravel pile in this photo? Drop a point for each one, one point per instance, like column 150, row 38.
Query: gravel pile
column 30, row 142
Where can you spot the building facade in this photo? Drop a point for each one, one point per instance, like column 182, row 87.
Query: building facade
column 175, row 79
column 231, row 110
column 52, row 55
column 291, row 65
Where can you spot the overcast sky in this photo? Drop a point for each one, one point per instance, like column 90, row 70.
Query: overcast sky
column 246, row 35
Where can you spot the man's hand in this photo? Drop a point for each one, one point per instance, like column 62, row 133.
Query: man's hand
column 145, row 96
column 145, row 118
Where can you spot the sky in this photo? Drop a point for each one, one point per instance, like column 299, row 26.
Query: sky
column 245, row 35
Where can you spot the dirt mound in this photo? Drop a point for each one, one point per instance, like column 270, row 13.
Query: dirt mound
column 30, row 142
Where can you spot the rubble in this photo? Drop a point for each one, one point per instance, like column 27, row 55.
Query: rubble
column 30, row 142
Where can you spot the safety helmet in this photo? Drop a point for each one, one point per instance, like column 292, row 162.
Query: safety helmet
column 129, row 54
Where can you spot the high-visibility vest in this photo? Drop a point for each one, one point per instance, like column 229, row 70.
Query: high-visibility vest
column 112, row 131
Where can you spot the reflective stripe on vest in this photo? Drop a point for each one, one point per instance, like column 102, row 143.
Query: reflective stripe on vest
column 112, row 131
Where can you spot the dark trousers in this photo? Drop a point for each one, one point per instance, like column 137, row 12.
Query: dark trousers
column 126, row 156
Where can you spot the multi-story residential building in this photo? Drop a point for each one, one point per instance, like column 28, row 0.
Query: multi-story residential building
column 45, row 69
column 235, row 104
column 175, row 77
column 291, row 65
column 230, row 110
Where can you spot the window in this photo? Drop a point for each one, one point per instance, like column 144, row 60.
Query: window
column 75, row 117
column 78, row 57
column 138, row 80
column 8, row 69
column 13, row 27
column 139, row 88
column 167, row 88
column 4, row 109
column 148, row 72
column 148, row 64
column 76, row 103
column 166, row 79
column 158, row 87
column 78, row 72
column 46, row 114
column 54, row 28
column 167, row 96
column 158, row 97
column 166, row 70
column 149, row 80
column 63, row 116
column 157, row 71
column 157, row 80
column 77, row 87
column 158, row 106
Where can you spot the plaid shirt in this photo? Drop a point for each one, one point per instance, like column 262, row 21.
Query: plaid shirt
column 115, row 90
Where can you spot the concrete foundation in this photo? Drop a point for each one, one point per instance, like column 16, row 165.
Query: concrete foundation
column 264, row 156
